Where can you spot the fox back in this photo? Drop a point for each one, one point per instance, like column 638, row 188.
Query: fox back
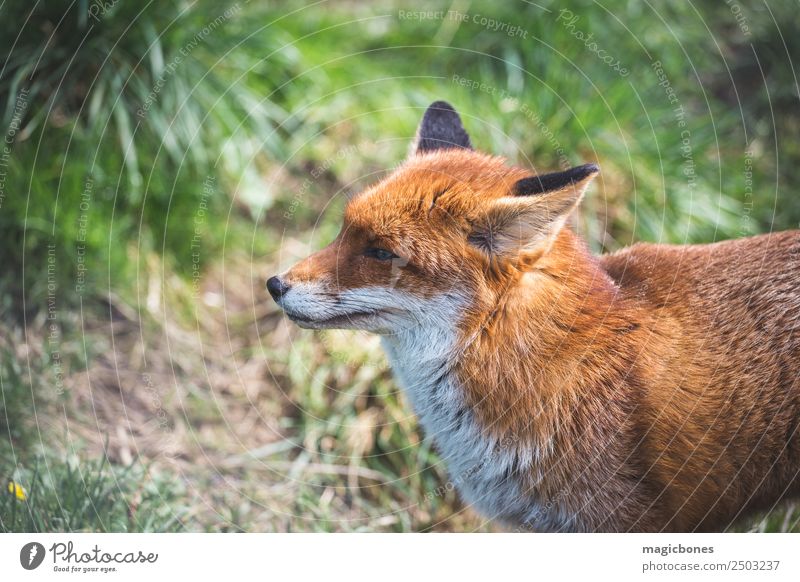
column 653, row 389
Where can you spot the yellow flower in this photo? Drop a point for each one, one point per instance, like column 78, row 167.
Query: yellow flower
column 17, row 490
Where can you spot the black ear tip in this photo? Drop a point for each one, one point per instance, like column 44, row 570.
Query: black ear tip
column 554, row 181
column 441, row 129
column 442, row 105
column 442, row 112
column 590, row 169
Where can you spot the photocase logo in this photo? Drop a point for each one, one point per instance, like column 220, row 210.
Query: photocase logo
column 31, row 555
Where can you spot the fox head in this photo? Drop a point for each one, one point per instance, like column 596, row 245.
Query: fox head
column 449, row 229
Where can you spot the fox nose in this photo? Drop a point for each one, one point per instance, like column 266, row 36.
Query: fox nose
column 276, row 287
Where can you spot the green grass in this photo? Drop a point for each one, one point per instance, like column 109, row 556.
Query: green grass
column 81, row 495
column 279, row 429
column 43, row 492
column 118, row 123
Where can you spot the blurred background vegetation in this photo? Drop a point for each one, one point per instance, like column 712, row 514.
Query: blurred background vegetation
column 159, row 161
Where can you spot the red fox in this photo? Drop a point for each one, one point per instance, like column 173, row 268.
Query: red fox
column 653, row 389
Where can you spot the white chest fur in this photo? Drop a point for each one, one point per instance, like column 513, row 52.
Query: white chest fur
column 485, row 470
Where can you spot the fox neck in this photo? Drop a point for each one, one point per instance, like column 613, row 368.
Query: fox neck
column 527, row 355
column 493, row 349
column 484, row 384
column 423, row 356
column 425, row 361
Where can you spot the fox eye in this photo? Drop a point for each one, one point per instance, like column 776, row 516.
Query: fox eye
column 380, row 254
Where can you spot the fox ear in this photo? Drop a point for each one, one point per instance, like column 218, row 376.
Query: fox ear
column 534, row 213
column 440, row 129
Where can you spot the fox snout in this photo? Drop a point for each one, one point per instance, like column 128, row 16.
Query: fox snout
column 323, row 291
